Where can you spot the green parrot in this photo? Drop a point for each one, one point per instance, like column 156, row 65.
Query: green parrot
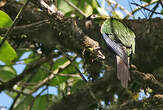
column 121, row 40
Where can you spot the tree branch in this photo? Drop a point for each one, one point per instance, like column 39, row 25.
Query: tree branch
column 103, row 88
column 154, row 102
column 8, row 85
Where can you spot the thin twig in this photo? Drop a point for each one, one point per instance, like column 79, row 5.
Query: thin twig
column 80, row 73
column 145, row 8
column 131, row 9
column 69, row 75
column 51, row 76
column 38, row 23
column 161, row 2
column 76, row 8
column 16, row 20
column 120, row 6
column 14, row 101
column 8, row 85
column 138, row 8
column 154, row 9
column 143, row 11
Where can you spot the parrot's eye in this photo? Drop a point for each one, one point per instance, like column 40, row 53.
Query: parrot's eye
column 93, row 16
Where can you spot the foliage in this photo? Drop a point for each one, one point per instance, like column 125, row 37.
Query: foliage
column 8, row 54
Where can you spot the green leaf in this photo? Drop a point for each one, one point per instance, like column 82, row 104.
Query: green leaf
column 23, row 52
column 11, row 94
column 94, row 3
column 42, row 102
column 59, row 62
column 7, row 53
column 32, row 57
column 41, row 74
column 62, row 89
column 69, row 70
column 162, row 11
column 5, row 20
column 23, row 103
column 58, row 80
column 88, row 10
column 7, row 73
column 77, row 85
column 63, row 6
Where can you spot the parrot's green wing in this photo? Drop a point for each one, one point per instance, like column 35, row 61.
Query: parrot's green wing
column 120, row 33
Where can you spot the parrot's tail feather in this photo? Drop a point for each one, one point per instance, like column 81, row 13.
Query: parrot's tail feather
column 123, row 73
